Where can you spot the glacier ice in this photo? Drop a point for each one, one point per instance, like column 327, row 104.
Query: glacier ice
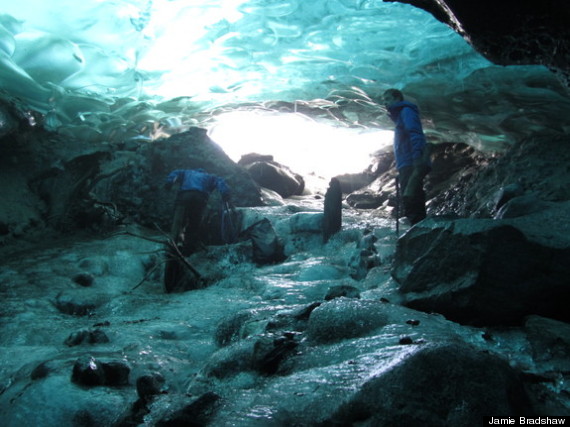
column 255, row 50
column 215, row 55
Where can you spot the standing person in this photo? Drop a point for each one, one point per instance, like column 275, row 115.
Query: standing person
column 411, row 152
column 196, row 185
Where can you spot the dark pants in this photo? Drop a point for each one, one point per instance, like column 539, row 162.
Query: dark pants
column 411, row 182
column 188, row 213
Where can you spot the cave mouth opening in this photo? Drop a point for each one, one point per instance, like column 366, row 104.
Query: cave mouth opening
column 316, row 150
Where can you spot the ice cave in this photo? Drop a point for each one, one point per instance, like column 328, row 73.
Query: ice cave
column 301, row 297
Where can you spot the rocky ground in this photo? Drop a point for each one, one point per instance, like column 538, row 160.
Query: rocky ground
column 90, row 338
column 458, row 317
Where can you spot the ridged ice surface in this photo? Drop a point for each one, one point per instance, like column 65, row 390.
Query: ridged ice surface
column 224, row 50
column 346, row 343
column 122, row 69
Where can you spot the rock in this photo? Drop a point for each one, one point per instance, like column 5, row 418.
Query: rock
column 484, row 180
column 471, row 384
column 267, row 246
column 293, row 319
column 66, row 186
column 258, row 340
column 4, row 229
column 134, row 416
column 231, row 360
column 271, row 198
column 481, row 272
column 248, row 159
column 353, row 182
column 149, row 385
column 306, row 222
column 270, row 351
column 338, row 291
column 83, row 279
column 133, row 180
column 194, row 414
column 67, row 304
column 489, row 26
column 41, row 371
column 365, row 200
column 8, row 122
column 365, row 257
column 228, row 329
column 343, row 318
column 381, row 189
column 96, row 336
column 90, row 372
column 116, row 373
column 550, row 341
column 450, row 163
column 262, row 353
column 276, row 177
column 507, row 193
column 521, row 206
column 332, row 220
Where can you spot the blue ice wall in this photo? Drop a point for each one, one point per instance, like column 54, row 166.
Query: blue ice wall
column 130, row 67
column 219, row 51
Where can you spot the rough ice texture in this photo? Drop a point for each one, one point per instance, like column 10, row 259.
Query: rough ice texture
column 120, row 69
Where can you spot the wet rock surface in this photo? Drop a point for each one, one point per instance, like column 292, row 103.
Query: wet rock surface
column 452, row 164
column 531, row 30
column 534, row 167
column 273, row 175
column 484, row 272
column 473, row 383
column 259, row 345
column 69, row 185
column 86, row 315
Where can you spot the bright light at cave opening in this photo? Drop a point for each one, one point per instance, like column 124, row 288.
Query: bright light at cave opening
column 305, row 146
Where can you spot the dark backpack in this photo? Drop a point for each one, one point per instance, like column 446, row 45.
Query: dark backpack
column 267, row 247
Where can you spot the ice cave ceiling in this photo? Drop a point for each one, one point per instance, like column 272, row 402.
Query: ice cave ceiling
column 139, row 68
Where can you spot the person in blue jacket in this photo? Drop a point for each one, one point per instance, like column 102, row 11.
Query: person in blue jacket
column 195, row 187
column 411, row 152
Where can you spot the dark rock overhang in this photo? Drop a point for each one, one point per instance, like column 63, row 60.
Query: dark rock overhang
column 510, row 32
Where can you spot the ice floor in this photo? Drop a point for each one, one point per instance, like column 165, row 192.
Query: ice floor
column 174, row 334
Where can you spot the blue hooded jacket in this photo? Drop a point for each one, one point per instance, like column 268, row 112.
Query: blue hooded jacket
column 409, row 138
column 199, row 180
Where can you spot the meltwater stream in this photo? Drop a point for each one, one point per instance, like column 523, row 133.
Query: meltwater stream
column 47, row 308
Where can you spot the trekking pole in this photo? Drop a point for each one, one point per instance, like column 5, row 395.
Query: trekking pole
column 227, row 225
column 397, row 207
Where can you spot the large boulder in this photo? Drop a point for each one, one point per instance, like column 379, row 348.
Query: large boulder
column 487, row 272
column 70, row 184
column 381, row 189
column 550, row 342
column 452, row 163
column 483, row 186
column 436, row 385
column 134, row 181
column 343, row 318
column 273, row 175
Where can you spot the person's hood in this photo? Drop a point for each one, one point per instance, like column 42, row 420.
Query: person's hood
column 395, row 108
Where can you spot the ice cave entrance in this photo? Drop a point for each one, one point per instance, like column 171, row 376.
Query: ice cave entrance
column 315, row 150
